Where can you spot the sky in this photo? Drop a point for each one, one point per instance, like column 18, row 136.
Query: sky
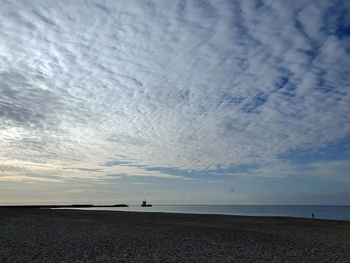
column 178, row 102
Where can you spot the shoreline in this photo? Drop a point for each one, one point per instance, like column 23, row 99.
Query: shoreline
column 59, row 206
column 73, row 235
column 90, row 209
column 205, row 214
column 320, row 212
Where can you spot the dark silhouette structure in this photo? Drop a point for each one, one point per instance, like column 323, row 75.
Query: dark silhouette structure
column 144, row 204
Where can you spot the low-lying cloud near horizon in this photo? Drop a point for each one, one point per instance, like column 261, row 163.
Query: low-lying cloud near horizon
column 187, row 85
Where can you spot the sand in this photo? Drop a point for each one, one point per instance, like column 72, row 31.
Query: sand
column 44, row 235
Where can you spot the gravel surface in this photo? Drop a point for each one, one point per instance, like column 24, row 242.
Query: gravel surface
column 43, row 235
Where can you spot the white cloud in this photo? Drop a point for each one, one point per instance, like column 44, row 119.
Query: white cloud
column 30, row 179
column 131, row 171
column 180, row 84
column 331, row 170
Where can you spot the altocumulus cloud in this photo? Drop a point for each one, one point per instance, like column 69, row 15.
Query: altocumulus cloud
column 183, row 84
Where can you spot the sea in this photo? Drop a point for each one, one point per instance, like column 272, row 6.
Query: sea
column 304, row 211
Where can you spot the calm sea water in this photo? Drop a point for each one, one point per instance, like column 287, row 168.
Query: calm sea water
column 320, row 211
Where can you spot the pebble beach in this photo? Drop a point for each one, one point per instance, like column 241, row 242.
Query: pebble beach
column 50, row 235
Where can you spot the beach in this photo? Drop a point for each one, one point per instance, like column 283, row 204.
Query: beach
column 58, row 235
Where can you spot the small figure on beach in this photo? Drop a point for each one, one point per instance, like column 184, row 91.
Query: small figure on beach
column 313, row 216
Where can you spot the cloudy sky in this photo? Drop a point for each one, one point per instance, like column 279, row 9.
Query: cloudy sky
column 220, row 102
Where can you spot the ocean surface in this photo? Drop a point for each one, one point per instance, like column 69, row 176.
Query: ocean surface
column 320, row 211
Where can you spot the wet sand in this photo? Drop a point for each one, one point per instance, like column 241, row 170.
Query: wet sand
column 43, row 235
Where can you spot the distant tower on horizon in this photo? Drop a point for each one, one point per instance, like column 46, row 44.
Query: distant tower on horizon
column 144, row 204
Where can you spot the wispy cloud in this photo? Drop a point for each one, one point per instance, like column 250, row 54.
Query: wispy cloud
column 143, row 183
column 31, row 179
column 197, row 85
